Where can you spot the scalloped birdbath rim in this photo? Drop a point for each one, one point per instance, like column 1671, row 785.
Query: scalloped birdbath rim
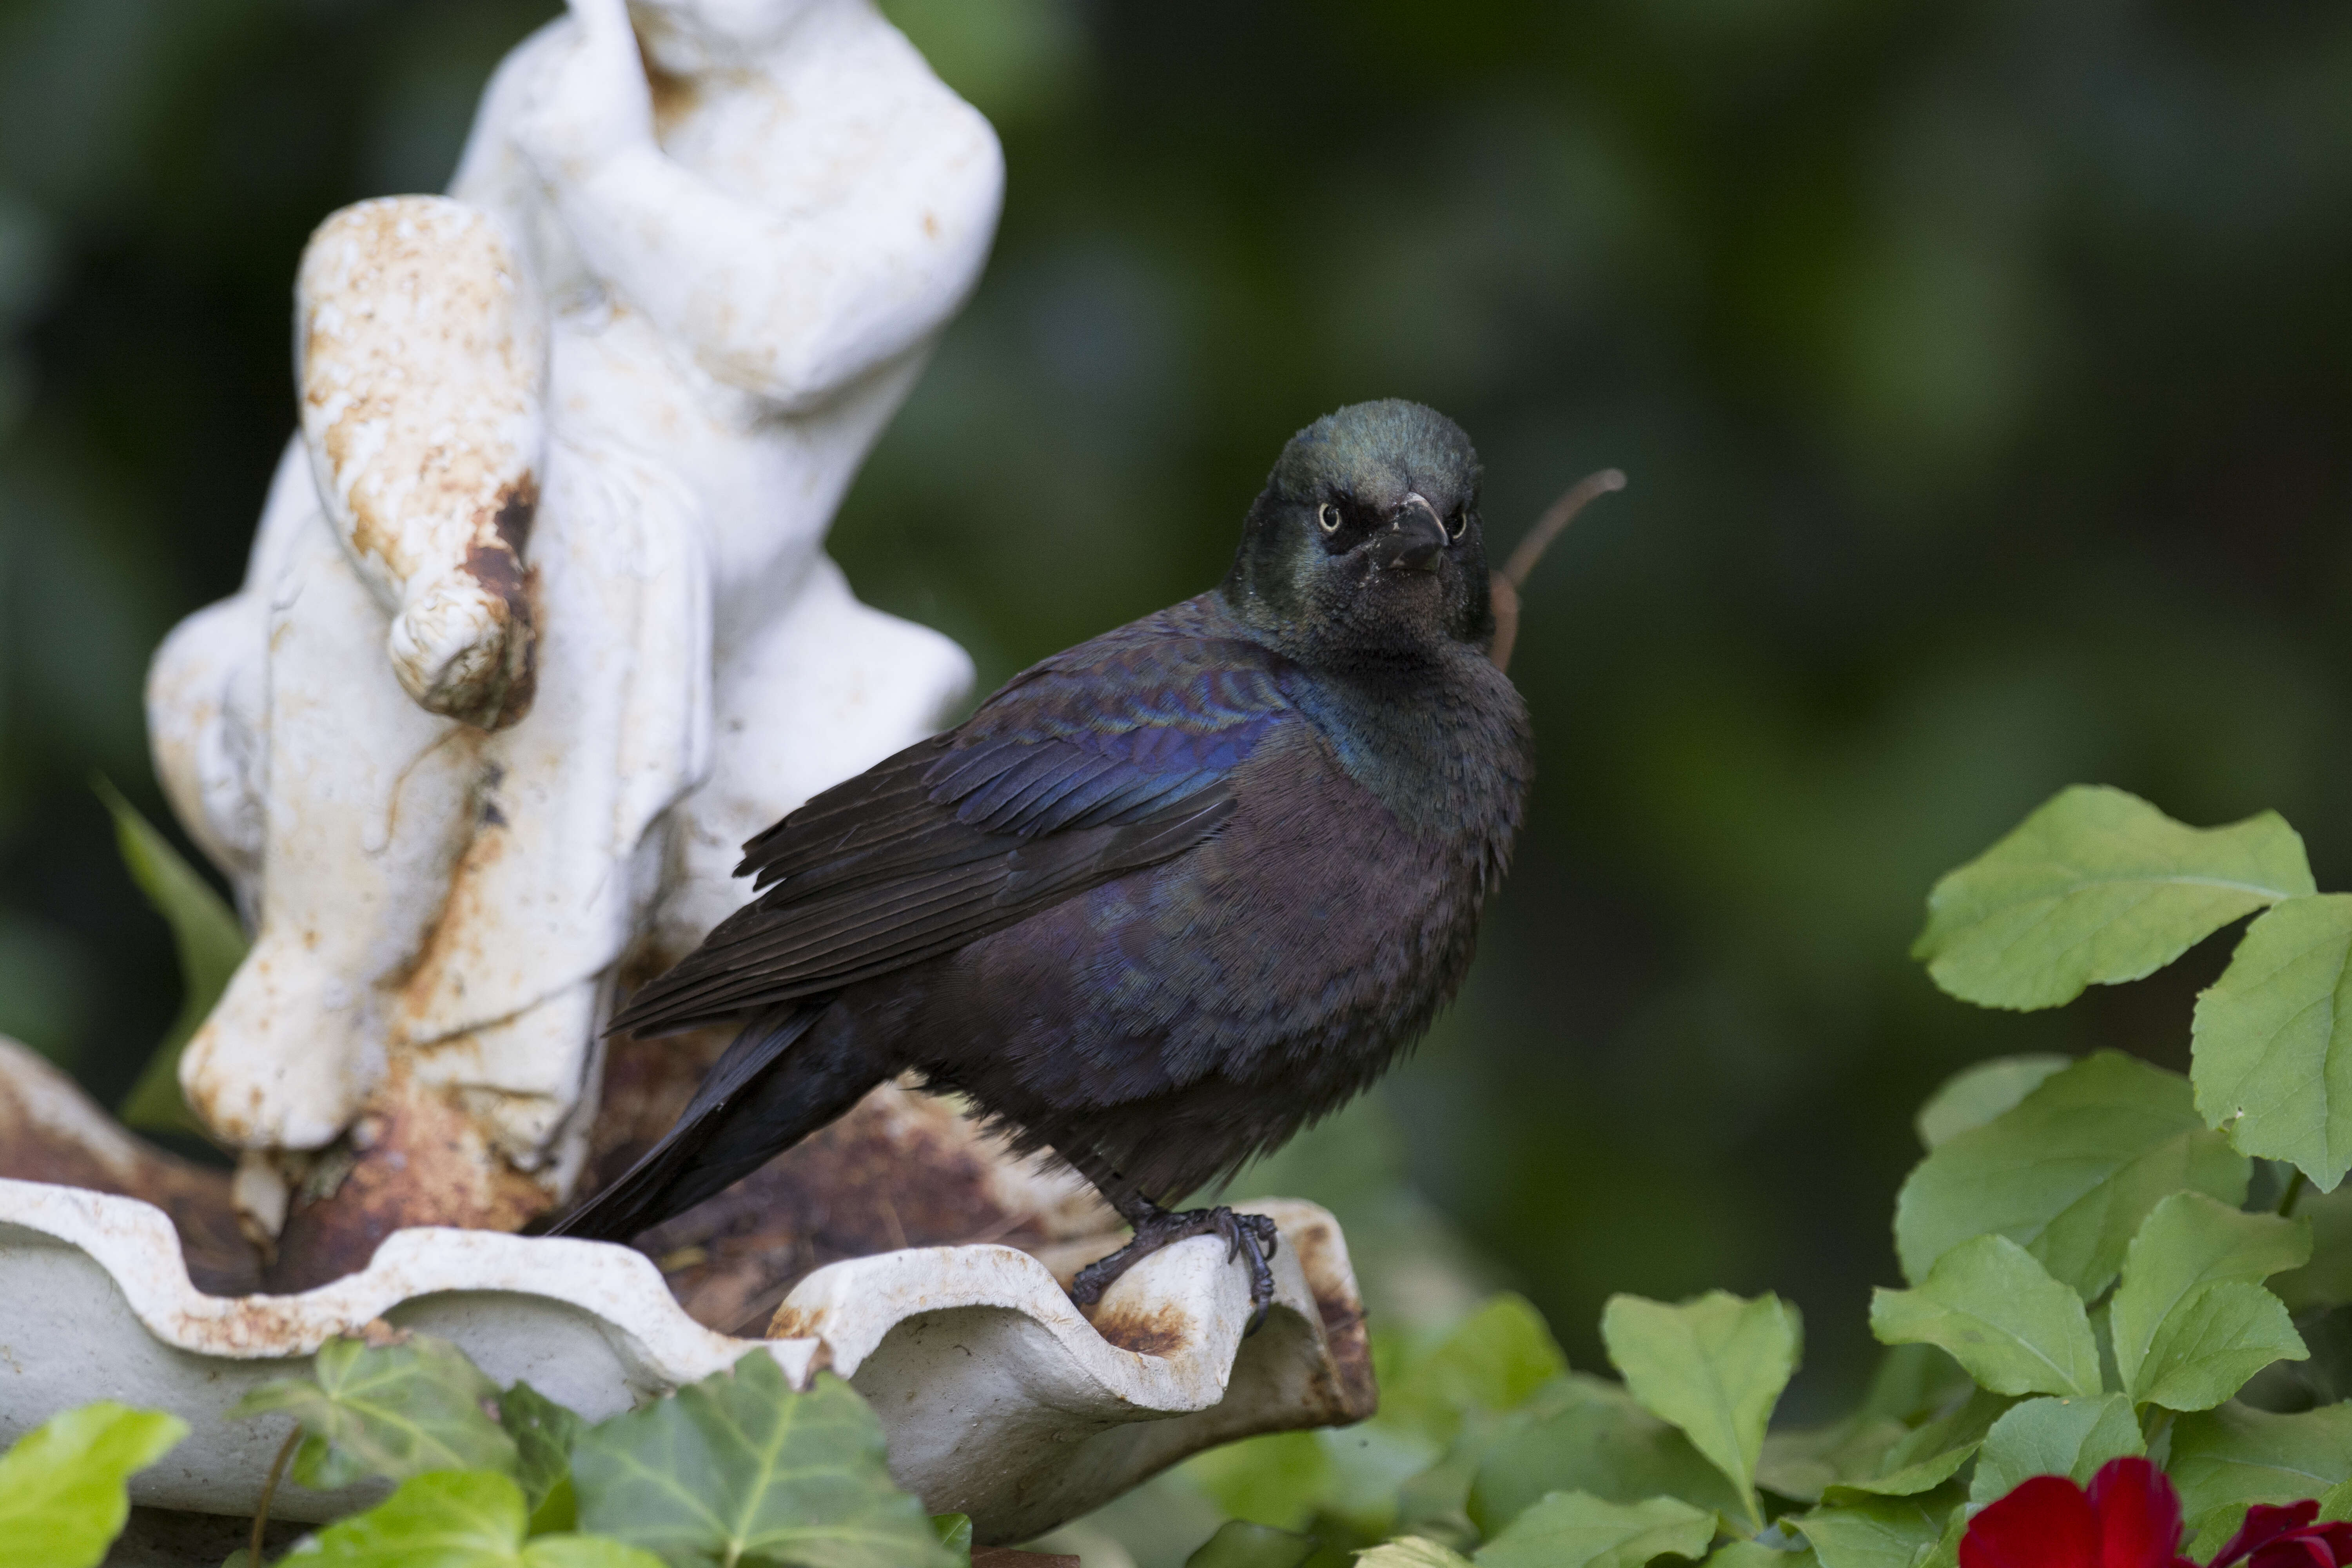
column 998, row 1397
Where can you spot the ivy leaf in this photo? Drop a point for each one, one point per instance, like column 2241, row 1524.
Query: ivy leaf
column 543, row 1433
column 739, row 1465
column 1576, row 1529
column 1238, row 1543
column 1974, row 1096
column 1999, row 1314
column 2272, row 1044
column 1411, row 1551
column 1582, row 1434
column 1713, row 1366
column 2225, row 1458
column 2098, row 887
column 2068, row 1173
column 62, row 1500
column 1881, row 1533
column 460, row 1518
column 2071, row 1437
column 211, row 944
column 396, row 1411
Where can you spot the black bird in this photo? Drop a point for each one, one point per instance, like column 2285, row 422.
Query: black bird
column 1166, row 897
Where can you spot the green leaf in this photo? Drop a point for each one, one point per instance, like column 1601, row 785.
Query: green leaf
column 1240, row 1544
column 2071, row 1437
column 954, row 1532
column 2213, row 1344
column 211, row 945
column 1801, row 1462
column 397, row 1411
column 1881, row 1533
column 1931, row 1455
column 2272, row 1044
column 1756, row 1554
column 1713, row 1366
column 2098, row 887
column 1584, row 1433
column 1576, row 1529
column 739, row 1465
column 1974, row 1096
column 2188, row 1241
column 2227, row 1458
column 1999, row 1312
column 543, row 1433
column 62, row 1500
column 460, row 1518
column 1411, row 1551
column 1492, row 1360
column 2069, row 1173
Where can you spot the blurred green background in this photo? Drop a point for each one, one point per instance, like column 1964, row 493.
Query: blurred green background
column 1981, row 370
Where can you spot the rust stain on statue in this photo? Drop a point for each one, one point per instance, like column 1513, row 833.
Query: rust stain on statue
column 425, row 1162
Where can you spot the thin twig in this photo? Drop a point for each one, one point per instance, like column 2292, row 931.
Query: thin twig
column 1503, row 587
column 1561, row 514
column 269, row 1490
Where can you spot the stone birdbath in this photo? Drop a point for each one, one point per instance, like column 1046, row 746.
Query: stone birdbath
column 538, row 628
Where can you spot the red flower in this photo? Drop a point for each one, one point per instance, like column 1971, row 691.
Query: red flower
column 2130, row 1518
column 2286, row 1538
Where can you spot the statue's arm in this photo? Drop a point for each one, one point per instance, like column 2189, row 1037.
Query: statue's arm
column 421, row 356
column 790, row 306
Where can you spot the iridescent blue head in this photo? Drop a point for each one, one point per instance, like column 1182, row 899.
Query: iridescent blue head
column 1364, row 550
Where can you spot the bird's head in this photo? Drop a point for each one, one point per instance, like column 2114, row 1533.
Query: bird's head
column 1364, row 550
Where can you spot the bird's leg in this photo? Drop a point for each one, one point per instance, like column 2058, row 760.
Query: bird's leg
column 1250, row 1237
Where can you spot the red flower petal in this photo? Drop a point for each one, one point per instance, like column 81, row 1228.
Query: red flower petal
column 2045, row 1522
column 2139, row 1515
column 2263, row 1525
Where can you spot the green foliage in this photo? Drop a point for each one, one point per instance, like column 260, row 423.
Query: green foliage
column 739, row 1465
column 61, row 1486
column 396, row 1410
column 1715, row 1367
column 2225, row 1458
column 1882, row 1532
column 1574, row 1530
column 211, row 945
column 2068, row 1173
column 1585, row 1435
column 1240, row 1544
column 2000, row 1315
column 2096, row 888
column 2071, row 1437
column 460, row 1519
column 2272, row 1040
column 1974, row 1096
column 544, row 1432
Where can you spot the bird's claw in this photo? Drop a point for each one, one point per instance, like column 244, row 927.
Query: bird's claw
column 1250, row 1239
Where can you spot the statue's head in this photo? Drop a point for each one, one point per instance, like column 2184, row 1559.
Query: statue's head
column 687, row 36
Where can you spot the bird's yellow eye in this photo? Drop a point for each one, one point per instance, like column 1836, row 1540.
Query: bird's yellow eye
column 1328, row 516
column 1459, row 525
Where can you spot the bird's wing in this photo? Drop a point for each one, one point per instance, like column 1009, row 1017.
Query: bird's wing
column 1108, row 758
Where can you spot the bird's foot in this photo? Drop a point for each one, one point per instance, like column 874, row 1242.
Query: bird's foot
column 1249, row 1237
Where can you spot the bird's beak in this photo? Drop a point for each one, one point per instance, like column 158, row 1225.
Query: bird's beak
column 1414, row 540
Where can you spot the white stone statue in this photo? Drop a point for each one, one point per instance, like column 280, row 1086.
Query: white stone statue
column 537, row 627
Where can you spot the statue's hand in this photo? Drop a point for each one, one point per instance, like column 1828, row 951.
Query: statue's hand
column 591, row 102
column 463, row 649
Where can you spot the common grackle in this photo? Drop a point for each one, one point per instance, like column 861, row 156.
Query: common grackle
column 1164, row 898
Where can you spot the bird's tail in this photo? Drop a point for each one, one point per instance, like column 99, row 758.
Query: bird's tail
column 759, row 1097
